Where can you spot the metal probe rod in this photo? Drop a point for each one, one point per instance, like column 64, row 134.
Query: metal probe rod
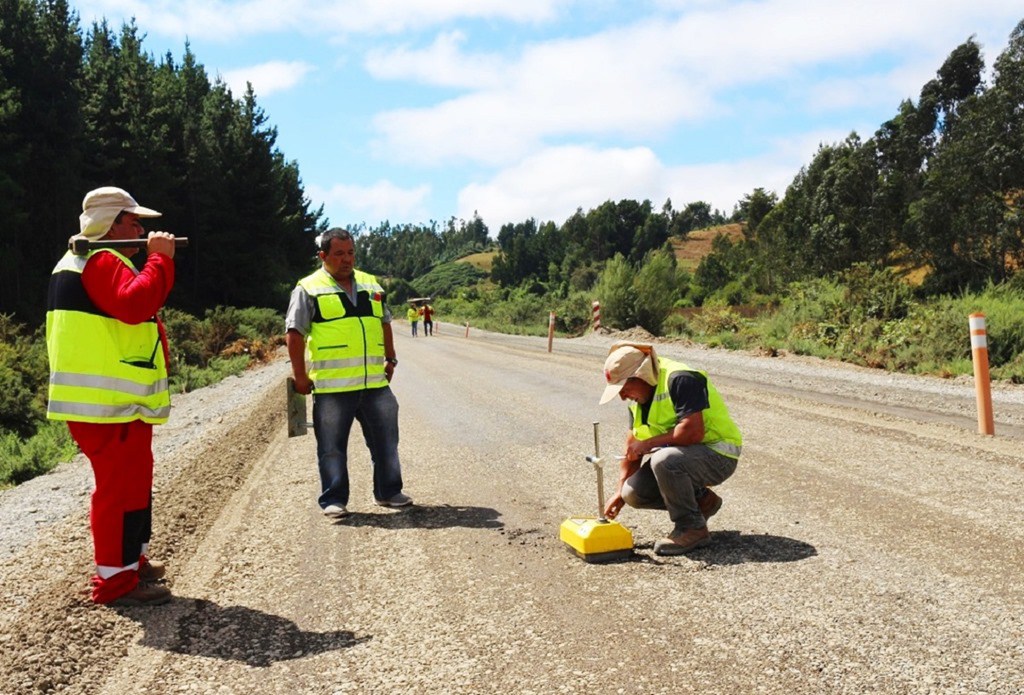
column 596, row 460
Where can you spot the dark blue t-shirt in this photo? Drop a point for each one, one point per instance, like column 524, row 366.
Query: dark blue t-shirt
column 688, row 391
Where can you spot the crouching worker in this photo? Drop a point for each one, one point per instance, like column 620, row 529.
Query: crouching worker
column 108, row 379
column 681, row 441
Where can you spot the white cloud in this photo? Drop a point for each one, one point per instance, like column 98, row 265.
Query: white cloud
column 220, row 20
column 577, row 87
column 640, row 80
column 394, row 16
column 551, row 184
column 441, row 64
column 267, row 78
column 381, row 201
column 225, row 20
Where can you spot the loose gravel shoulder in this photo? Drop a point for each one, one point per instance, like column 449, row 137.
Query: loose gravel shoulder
column 869, row 542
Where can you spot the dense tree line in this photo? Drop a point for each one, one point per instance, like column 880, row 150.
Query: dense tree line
column 407, row 251
column 938, row 188
column 574, row 253
column 81, row 112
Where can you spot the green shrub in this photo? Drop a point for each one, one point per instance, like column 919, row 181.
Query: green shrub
column 678, row 324
column 655, row 285
column 183, row 335
column 194, row 342
column 875, row 294
column 617, row 294
column 717, row 321
column 259, row 323
column 574, row 314
column 22, row 459
column 24, row 376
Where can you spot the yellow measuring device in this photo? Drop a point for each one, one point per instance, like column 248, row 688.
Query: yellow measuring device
column 600, row 539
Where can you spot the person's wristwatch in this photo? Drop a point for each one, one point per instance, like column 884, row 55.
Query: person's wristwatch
column 393, row 361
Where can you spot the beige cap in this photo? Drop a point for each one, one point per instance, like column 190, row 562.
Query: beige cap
column 625, row 362
column 101, row 207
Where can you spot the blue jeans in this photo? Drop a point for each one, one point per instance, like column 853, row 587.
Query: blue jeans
column 377, row 413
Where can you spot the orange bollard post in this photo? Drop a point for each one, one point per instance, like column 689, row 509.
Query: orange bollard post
column 551, row 329
column 982, row 382
column 596, row 309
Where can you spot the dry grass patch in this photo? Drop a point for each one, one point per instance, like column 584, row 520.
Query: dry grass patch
column 697, row 244
column 482, row 261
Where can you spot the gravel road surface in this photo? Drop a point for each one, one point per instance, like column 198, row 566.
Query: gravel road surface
column 870, row 542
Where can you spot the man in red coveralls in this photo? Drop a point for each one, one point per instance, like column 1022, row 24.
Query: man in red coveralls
column 108, row 379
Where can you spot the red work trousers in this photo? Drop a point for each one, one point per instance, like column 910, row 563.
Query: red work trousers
column 121, row 455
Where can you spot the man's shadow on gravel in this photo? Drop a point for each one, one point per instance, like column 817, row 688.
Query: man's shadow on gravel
column 422, row 516
column 734, row 548
column 233, row 633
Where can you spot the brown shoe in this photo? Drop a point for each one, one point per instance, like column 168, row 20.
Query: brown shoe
column 709, row 504
column 144, row 595
column 684, row 542
column 151, row 570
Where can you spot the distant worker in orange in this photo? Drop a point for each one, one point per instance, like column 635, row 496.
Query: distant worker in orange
column 428, row 319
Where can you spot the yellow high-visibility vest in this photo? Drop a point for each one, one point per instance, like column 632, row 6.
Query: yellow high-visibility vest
column 101, row 369
column 720, row 432
column 345, row 344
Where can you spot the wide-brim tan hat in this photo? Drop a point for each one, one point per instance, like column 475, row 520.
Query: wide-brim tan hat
column 101, row 206
column 625, row 361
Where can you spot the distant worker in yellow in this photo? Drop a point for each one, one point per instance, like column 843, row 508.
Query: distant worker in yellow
column 414, row 318
column 681, row 441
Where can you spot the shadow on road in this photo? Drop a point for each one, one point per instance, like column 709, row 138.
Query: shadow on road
column 426, row 517
column 733, row 548
column 232, row 633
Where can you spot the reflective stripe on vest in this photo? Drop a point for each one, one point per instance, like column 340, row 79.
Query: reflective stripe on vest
column 101, row 370
column 720, row 432
column 345, row 344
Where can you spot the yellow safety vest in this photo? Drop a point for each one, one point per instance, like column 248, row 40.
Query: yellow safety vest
column 101, row 369
column 720, row 433
column 413, row 315
column 345, row 342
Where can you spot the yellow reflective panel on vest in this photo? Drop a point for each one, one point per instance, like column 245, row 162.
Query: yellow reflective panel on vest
column 101, row 370
column 345, row 342
column 330, row 306
column 720, row 432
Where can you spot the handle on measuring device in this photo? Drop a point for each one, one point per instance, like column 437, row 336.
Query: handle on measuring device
column 596, row 460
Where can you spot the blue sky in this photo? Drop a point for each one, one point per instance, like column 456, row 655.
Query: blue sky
column 420, row 110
